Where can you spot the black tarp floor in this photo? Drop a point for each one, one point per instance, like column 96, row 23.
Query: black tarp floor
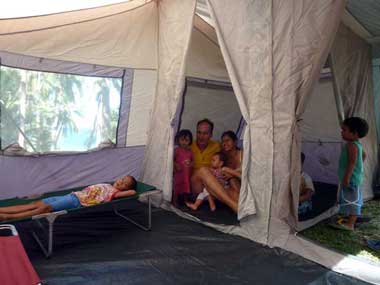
column 97, row 247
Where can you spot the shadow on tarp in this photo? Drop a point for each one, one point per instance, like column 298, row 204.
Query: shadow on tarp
column 223, row 215
column 97, row 247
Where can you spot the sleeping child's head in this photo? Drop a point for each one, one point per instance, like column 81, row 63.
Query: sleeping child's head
column 218, row 160
column 127, row 182
column 184, row 138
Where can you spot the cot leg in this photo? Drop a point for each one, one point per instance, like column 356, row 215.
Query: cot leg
column 143, row 227
column 49, row 250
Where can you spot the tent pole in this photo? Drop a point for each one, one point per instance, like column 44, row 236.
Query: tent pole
column 337, row 95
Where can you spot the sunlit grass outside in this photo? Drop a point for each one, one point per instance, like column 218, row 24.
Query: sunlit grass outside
column 352, row 243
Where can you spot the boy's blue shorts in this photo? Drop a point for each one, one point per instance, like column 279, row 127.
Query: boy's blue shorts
column 350, row 200
column 66, row 202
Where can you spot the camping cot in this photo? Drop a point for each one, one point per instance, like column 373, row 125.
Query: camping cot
column 144, row 191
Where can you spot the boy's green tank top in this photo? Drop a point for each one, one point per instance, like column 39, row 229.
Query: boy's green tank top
column 357, row 174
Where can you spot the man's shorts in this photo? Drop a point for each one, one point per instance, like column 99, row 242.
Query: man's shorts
column 350, row 200
column 66, row 202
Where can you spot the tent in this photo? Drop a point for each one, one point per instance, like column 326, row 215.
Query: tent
column 271, row 52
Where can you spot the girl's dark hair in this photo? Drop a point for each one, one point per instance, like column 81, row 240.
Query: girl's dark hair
column 184, row 133
column 230, row 134
column 357, row 125
column 222, row 157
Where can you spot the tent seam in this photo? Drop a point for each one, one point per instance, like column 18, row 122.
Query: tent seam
column 272, row 110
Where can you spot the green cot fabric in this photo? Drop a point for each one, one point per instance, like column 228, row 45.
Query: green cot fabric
column 141, row 188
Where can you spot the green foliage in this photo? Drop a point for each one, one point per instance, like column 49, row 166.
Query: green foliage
column 9, row 84
column 44, row 106
column 351, row 242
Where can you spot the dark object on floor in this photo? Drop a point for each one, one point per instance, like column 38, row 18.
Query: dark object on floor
column 363, row 219
column 323, row 199
column 373, row 244
column 376, row 192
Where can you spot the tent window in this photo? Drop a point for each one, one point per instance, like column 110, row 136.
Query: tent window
column 45, row 112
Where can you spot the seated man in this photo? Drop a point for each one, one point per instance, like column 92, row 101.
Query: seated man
column 91, row 195
column 203, row 150
column 306, row 191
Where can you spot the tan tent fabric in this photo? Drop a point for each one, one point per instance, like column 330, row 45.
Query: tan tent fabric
column 205, row 59
column 320, row 121
column 218, row 105
column 351, row 57
column 122, row 38
column 175, row 25
column 41, row 22
column 302, row 35
column 144, row 88
column 245, row 42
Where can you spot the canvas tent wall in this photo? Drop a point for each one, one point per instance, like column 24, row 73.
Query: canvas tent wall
column 68, row 55
column 273, row 52
column 214, row 101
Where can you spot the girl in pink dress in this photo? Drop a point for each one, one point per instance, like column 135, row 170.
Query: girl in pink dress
column 183, row 164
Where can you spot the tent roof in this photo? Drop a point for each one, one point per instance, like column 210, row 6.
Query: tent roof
column 24, row 8
column 366, row 15
column 361, row 16
column 120, row 35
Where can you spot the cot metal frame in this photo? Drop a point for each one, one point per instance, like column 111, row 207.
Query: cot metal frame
column 48, row 230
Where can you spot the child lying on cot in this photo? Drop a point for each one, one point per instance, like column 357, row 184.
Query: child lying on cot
column 91, row 195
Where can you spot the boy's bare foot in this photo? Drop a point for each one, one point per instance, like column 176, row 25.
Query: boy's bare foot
column 191, row 206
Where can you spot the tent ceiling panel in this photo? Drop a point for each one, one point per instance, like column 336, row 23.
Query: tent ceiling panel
column 320, row 119
column 218, row 105
column 202, row 11
column 33, row 23
column 367, row 13
column 22, row 8
column 204, row 59
column 124, row 39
